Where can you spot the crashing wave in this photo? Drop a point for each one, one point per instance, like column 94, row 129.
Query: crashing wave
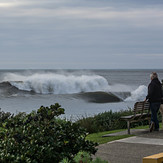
column 54, row 83
column 138, row 94
column 58, row 83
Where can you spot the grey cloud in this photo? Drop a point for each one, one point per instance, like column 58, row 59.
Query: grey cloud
column 89, row 34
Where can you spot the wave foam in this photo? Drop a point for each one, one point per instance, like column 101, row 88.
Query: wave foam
column 53, row 83
column 67, row 83
column 138, row 94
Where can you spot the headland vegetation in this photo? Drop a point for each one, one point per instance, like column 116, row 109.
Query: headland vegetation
column 42, row 135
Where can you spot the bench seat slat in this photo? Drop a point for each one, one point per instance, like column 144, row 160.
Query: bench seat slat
column 137, row 116
column 127, row 117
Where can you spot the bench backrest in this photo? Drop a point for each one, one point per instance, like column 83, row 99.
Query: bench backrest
column 141, row 107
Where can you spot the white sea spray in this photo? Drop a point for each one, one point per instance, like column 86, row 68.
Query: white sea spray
column 53, row 83
column 138, row 94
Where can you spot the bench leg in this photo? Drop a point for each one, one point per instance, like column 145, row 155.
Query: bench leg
column 128, row 127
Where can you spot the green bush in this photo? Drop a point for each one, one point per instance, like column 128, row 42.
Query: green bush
column 84, row 157
column 4, row 116
column 107, row 121
column 41, row 137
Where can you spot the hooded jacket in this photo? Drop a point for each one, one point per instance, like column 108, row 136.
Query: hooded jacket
column 154, row 91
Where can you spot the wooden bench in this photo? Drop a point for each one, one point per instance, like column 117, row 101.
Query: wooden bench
column 141, row 112
column 157, row 158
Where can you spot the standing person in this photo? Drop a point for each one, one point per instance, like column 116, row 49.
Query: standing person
column 154, row 98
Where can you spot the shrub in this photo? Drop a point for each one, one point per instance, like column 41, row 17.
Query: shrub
column 4, row 116
column 41, row 137
column 107, row 121
column 84, row 157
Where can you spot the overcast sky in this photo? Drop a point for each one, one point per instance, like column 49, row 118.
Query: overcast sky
column 81, row 34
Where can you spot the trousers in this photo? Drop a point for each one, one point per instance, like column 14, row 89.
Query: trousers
column 154, row 107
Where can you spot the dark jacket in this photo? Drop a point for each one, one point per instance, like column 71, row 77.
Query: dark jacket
column 154, row 91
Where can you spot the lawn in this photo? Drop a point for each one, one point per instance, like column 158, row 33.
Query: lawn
column 97, row 137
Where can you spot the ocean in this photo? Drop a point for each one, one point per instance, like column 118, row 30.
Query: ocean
column 81, row 93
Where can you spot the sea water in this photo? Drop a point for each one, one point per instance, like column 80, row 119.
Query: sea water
column 79, row 92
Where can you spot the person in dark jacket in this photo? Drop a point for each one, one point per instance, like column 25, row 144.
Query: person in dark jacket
column 154, row 97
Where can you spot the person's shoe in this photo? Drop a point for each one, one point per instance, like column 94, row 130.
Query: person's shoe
column 151, row 127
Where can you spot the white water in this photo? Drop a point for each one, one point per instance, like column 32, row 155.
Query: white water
column 138, row 95
column 54, row 83
column 117, row 81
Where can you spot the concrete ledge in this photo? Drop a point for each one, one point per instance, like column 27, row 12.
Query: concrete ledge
column 133, row 132
column 141, row 140
column 157, row 158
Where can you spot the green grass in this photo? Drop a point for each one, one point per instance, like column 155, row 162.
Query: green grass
column 147, row 126
column 97, row 137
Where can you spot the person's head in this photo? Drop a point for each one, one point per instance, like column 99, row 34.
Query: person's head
column 153, row 75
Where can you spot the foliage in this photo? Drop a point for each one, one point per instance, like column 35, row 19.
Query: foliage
column 159, row 116
column 84, row 157
column 41, row 137
column 4, row 116
column 107, row 121
column 98, row 160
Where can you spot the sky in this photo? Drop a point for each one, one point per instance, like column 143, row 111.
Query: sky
column 81, row 34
